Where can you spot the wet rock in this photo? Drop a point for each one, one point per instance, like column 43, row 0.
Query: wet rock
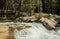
column 22, row 27
column 58, row 24
column 11, row 33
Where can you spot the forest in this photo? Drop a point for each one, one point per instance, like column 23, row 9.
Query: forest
column 30, row 6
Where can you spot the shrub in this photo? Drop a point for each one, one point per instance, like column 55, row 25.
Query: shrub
column 47, row 16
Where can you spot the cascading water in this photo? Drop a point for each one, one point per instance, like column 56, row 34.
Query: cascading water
column 36, row 31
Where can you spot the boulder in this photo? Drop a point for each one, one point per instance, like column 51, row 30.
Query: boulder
column 26, row 19
column 48, row 23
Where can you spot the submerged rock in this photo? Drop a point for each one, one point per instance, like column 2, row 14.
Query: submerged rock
column 22, row 27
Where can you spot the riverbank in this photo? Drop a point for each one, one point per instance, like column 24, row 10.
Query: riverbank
column 48, row 20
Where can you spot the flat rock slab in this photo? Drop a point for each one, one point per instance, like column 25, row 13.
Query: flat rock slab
column 4, row 28
column 4, row 31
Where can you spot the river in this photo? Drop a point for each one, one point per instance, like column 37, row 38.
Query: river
column 37, row 31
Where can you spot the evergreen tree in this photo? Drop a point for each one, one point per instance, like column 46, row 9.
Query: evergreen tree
column 2, row 4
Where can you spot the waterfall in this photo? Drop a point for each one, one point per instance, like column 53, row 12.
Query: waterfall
column 36, row 31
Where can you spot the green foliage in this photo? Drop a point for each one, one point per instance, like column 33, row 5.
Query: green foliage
column 44, row 15
column 26, row 2
column 41, row 15
column 47, row 16
column 20, row 15
column 2, row 4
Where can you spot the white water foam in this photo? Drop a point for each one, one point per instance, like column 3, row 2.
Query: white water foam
column 36, row 31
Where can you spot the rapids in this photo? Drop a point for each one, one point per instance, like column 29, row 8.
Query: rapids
column 36, row 31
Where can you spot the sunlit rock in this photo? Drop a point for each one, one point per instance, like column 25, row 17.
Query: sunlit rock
column 4, row 31
column 49, row 23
